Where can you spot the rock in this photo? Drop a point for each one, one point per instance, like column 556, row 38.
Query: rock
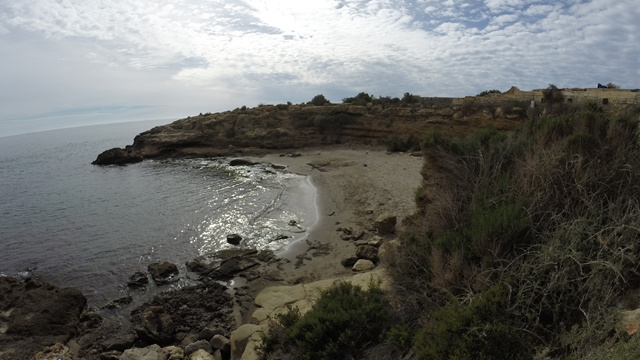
column 234, row 239
column 138, row 280
column 240, row 162
column 235, row 265
column 221, row 343
column 208, row 333
column 198, row 345
column 54, row 352
column 117, row 156
column 630, row 321
column 120, row 343
column 198, row 266
column 363, row 265
column 367, row 252
column 163, row 272
column 201, row 355
column 111, row 355
column 125, row 300
column 385, row 224
column 241, row 337
column 91, row 320
column 34, row 315
column 153, row 352
column 156, row 326
column 173, row 353
column 349, row 261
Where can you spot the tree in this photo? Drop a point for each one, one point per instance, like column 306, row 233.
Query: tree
column 612, row 86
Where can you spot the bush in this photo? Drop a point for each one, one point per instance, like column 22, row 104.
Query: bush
column 477, row 331
column 551, row 211
column 319, row 100
column 343, row 321
column 487, row 92
column 361, row 99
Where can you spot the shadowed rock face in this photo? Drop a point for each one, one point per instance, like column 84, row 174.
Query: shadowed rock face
column 295, row 126
column 34, row 315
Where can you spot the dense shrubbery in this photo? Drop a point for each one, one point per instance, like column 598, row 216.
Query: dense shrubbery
column 343, row 321
column 544, row 221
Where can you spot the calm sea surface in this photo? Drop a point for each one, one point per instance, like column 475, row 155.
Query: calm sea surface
column 75, row 224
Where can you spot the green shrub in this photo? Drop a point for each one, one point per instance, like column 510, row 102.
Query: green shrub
column 477, row 331
column 343, row 321
column 551, row 210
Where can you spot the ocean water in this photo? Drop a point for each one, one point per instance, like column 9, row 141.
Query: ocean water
column 75, row 224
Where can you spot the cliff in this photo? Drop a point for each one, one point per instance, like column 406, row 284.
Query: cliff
column 269, row 127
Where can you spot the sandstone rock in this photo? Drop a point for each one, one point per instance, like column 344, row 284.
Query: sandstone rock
column 198, row 345
column 234, row 239
column 221, row 343
column 138, row 280
column 54, row 352
column 156, row 326
column 363, row 265
column 367, row 252
column 201, row 355
column 153, row 352
column 241, row 337
column 163, row 272
column 173, row 353
column 385, row 224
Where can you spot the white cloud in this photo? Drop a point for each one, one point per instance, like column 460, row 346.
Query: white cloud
column 255, row 51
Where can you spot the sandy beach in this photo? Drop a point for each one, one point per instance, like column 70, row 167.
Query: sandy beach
column 355, row 185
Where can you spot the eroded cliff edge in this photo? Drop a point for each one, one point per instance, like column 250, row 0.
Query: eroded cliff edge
column 271, row 127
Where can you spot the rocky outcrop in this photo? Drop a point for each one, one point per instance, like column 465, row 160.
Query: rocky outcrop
column 295, row 126
column 34, row 315
column 163, row 272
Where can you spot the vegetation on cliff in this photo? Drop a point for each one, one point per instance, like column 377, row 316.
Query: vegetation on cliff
column 525, row 243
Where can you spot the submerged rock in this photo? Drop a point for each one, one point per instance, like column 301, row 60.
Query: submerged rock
column 138, row 280
column 163, row 272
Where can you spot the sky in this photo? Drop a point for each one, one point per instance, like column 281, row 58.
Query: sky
column 78, row 62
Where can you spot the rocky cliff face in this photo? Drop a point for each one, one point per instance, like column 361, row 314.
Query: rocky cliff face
column 294, row 126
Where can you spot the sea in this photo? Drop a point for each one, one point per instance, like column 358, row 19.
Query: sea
column 74, row 224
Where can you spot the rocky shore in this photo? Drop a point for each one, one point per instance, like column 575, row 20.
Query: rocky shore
column 364, row 193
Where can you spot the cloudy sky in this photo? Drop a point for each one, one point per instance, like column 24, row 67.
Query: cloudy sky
column 73, row 62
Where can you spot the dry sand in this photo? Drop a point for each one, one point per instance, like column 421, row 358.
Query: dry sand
column 355, row 186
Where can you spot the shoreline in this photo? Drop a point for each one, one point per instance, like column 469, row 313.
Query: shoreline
column 354, row 186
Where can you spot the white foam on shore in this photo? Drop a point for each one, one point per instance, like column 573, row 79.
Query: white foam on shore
column 306, row 194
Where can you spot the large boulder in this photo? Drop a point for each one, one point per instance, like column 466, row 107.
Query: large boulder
column 363, row 265
column 385, row 224
column 163, row 272
column 156, row 326
column 367, row 252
